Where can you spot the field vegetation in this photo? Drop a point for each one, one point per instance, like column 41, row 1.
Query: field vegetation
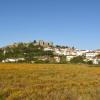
column 49, row 82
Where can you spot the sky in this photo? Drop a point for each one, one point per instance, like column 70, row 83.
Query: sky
column 64, row 22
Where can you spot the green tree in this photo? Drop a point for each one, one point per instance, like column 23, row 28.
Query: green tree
column 63, row 59
column 79, row 59
column 90, row 62
column 1, row 55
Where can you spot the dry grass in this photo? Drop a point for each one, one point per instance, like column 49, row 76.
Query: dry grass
column 49, row 82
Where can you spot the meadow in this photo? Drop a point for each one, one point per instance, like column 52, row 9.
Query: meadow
column 49, row 82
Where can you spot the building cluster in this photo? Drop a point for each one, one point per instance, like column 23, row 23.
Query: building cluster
column 70, row 53
column 43, row 43
column 35, row 43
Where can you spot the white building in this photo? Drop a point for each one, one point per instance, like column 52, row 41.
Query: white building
column 90, row 55
column 57, row 51
column 64, row 51
column 81, row 52
column 69, row 57
column 57, row 59
column 96, row 60
column 9, row 60
column 48, row 49
column 12, row 60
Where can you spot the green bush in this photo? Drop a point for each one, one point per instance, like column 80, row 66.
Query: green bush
column 79, row 59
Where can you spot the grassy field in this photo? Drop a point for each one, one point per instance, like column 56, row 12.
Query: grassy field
column 49, row 82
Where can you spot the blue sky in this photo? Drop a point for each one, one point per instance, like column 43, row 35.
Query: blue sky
column 66, row 22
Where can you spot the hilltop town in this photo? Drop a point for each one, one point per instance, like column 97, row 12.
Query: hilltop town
column 46, row 52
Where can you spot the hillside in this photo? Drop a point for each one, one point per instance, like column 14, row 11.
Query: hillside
column 25, row 52
column 31, row 52
column 46, row 52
